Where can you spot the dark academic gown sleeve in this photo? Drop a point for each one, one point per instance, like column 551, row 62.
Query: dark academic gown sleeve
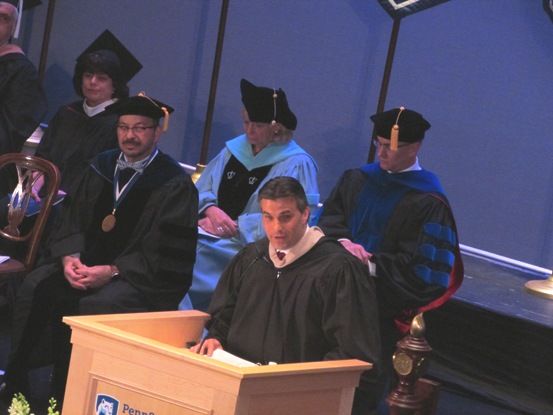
column 340, row 204
column 350, row 322
column 223, row 302
column 73, row 138
column 22, row 101
column 416, row 258
column 160, row 255
column 161, row 258
column 46, row 148
column 349, row 312
column 76, row 214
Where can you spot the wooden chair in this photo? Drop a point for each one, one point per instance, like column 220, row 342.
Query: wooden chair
column 413, row 395
column 29, row 169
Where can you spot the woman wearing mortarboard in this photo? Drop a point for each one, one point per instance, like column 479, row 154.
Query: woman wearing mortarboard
column 82, row 129
column 229, row 211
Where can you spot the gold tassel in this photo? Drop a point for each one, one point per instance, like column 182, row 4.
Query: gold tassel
column 165, row 125
column 165, row 119
column 394, row 133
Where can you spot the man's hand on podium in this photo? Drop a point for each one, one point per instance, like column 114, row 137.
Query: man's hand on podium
column 207, row 346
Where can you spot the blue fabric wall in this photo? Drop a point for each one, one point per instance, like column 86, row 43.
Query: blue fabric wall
column 480, row 71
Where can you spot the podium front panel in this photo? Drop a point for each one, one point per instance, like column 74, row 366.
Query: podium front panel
column 137, row 364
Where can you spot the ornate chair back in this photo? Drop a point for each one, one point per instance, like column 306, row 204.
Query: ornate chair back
column 29, row 169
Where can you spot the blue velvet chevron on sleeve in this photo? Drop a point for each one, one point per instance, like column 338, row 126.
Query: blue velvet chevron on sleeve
column 438, row 250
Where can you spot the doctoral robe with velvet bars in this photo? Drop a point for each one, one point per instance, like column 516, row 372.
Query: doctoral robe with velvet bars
column 405, row 221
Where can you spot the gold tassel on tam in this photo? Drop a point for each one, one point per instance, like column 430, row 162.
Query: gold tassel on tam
column 165, row 119
column 394, row 133
column 165, row 111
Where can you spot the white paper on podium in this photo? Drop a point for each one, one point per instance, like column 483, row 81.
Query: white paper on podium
column 3, row 259
column 226, row 357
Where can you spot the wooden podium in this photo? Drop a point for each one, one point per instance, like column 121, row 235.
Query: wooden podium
column 138, row 364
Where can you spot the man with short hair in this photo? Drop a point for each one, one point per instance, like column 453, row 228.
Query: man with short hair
column 296, row 295
column 394, row 216
column 126, row 243
column 22, row 100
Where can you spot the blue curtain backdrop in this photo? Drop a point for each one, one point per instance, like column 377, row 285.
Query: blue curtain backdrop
column 480, row 71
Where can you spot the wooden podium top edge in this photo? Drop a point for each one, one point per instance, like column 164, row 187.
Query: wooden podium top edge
column 99, row 325
column 135, row 316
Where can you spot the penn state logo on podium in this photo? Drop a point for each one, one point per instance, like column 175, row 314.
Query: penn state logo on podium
column 106, row 405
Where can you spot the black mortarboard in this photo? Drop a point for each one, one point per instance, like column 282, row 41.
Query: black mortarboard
column 267, row 105
column 400, row 124
column 108, row 44
column 142, row 105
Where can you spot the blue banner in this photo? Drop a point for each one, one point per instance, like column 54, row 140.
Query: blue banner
column 401, row 8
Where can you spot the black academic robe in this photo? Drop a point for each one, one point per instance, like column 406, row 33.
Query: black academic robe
column 22, row 101
column 320, row 307
column 153, row 243
column 73, row 139
column 402, row 248
column 22, row 107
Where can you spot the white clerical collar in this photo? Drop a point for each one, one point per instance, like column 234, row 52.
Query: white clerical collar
column 307, row 241
column 414, row 167
column 92, row 111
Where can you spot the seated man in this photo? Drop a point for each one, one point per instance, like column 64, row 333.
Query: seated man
column 295, row 296
column 126, row 243
column 393, row 215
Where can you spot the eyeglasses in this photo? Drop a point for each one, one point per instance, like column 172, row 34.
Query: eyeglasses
column 377, row 144
column 136, row 129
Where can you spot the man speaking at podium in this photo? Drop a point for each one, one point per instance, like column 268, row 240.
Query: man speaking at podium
column 296, row 296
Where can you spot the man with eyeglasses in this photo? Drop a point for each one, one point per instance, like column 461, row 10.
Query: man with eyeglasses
column 126, row 242
column 394, row 216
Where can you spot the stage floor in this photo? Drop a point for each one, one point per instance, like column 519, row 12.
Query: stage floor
column 495, row 339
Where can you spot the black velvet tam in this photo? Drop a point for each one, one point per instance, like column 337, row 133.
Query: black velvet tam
column 267, row 105
column 140, row 105
column 412, row 125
